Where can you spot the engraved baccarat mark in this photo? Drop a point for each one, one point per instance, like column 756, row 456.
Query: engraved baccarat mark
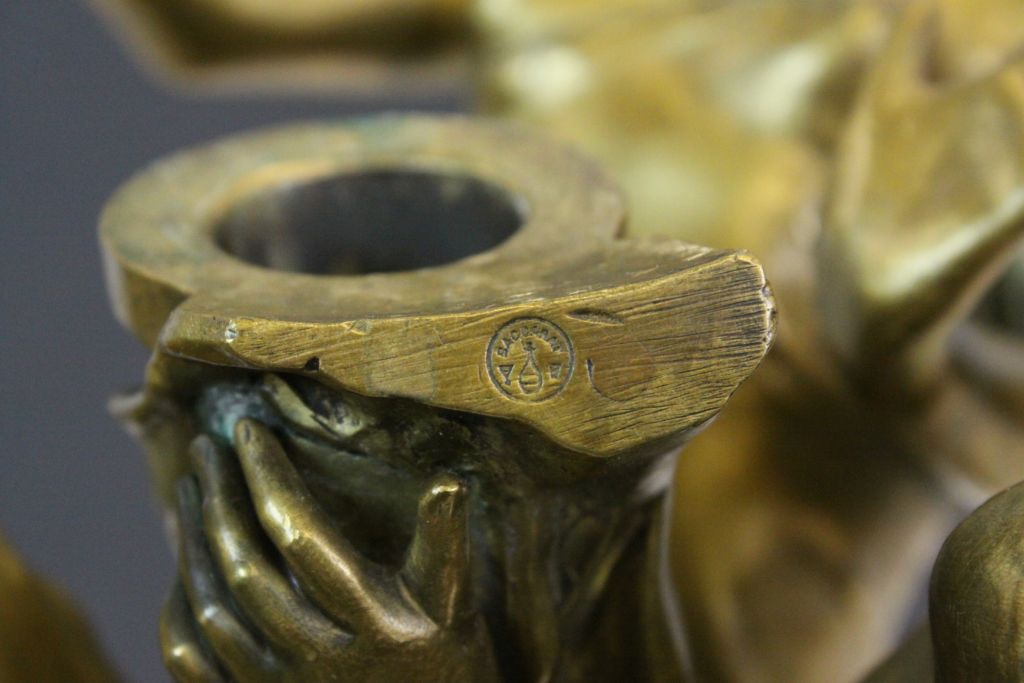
column 530, row 359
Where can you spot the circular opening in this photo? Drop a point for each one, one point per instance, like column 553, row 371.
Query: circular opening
column 371, row 222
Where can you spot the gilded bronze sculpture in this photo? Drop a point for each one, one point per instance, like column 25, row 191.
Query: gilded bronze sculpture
column 455, row 473
column 458, row 473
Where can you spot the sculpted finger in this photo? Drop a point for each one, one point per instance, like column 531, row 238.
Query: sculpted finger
column 237, row 544
column 330, row 570
column 437, row 567
column 184, row 655
column 235, row 647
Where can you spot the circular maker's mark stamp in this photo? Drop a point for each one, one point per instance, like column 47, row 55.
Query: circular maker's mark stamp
column 530, row 359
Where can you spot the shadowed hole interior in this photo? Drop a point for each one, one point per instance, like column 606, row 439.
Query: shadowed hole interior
column 370, row 222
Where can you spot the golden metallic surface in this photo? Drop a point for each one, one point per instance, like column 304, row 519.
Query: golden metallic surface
column 867, row 434
column 976, row 595
column 697, row 108
column 297, row 45
column 448, row 473
column 43, row 638
column 870, row 153
column 611, row 303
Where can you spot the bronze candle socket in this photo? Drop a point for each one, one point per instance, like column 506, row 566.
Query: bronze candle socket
column 870, row 153
column 413, row 407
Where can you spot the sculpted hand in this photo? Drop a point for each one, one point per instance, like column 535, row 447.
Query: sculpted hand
column 236, row 613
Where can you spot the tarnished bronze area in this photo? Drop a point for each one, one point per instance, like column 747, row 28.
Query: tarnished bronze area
column 454, row 472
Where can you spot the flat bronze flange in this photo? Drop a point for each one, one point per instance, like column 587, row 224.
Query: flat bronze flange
column 601, row 345
column 416, row 45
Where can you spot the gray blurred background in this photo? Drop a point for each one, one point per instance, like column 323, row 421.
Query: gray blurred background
column 76, row 118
